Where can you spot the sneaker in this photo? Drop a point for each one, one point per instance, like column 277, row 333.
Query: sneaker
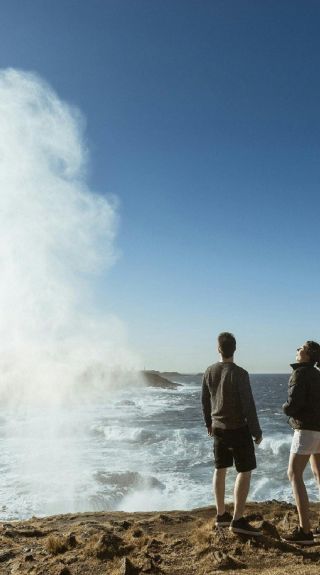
column 316, row 533
column 223, row 520
column 243, row 526
column 299, row 536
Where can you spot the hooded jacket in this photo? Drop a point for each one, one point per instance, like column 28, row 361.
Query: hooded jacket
column 303, row 403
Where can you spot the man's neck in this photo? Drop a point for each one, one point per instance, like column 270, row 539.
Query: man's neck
column 226, row 359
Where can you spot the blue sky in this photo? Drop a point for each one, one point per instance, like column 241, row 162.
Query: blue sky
column 203, row 119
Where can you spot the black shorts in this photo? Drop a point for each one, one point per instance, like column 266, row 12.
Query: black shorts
column 234, row 445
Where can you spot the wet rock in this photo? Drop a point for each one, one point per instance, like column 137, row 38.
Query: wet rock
column 128, row 568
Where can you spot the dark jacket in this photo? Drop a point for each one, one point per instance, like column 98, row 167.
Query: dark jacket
column 303, row 403
column 227, row 400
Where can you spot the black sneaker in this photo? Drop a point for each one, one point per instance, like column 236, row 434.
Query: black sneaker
column 223, row 520
column 243, row 526
column 299, row 536
column 316, row 533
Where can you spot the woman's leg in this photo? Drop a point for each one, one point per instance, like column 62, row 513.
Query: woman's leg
column 315, row 466
column 296, row 467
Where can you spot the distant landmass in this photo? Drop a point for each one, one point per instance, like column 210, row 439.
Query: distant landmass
column 155, row 379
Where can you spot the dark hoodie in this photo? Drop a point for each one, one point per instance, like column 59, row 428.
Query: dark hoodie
column 303, row 403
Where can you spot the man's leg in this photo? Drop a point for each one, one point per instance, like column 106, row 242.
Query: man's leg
column 241, row 490
column 296, row 467
column 219, row 484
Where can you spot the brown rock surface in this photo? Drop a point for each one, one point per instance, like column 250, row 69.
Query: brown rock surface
column 169, row 543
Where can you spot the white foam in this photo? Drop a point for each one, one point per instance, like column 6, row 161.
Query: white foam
column 277, row 445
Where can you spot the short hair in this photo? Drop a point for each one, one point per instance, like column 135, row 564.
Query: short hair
column 227, row 344
column 313, row 350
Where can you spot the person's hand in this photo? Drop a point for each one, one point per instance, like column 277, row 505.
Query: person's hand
column 210, row 431
column 258, row 440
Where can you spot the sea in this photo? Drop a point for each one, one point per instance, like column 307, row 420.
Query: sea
column 136, row 449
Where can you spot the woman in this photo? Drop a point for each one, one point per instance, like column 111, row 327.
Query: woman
column 303, row 409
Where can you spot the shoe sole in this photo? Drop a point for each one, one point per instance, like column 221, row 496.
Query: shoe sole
column 298, row 542
column 223, row 524
column 245, row 531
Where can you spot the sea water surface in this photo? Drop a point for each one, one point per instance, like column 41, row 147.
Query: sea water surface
column 137, row 448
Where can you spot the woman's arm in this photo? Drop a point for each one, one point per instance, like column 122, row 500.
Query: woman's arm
column 296, row 395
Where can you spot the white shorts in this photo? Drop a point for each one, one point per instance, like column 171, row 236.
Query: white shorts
column 305, row 442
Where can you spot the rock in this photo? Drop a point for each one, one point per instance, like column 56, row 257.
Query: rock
column 108, row 546
column 225, row 562
column 127, row 568
column 147, row 566
column 165, row 518
column 124, row 525
column 176, row 543
column 5, row 555
column 65, row 571
column 254, row 517
column 71, row 540
column 29, row 557
column 270, row 529
column 10, row 532
column 154, row 379
column 155, row 543
column 16, row 567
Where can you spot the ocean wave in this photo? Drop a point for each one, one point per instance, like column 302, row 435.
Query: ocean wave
column 278, row 444
column 266, row 488
column 125, row 434
column 118, row 488
column 128, row 479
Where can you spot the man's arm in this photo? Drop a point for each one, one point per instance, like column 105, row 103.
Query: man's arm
column 249, row 409
column 296, row 395
column 206, row 404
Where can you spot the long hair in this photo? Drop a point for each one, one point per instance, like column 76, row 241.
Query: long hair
column 313, row 350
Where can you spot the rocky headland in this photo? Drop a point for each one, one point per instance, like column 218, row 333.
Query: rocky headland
column 155, row 379
column 168, row 543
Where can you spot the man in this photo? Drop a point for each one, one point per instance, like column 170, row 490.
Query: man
column 230, row 416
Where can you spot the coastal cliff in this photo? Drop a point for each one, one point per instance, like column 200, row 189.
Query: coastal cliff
column 168, row 543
